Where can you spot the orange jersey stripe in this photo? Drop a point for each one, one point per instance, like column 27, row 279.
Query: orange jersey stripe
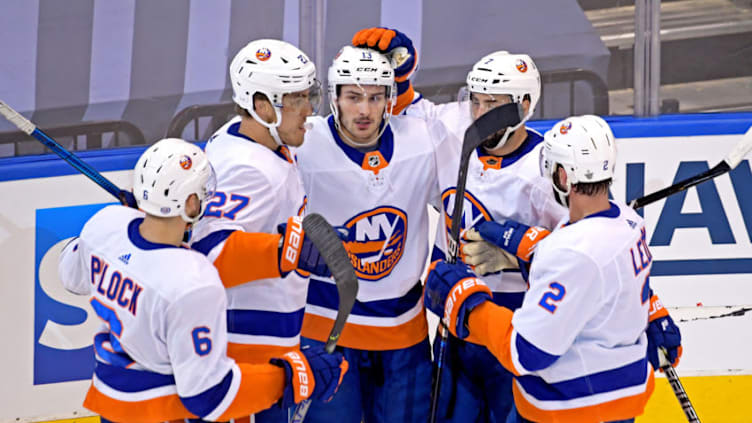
column 256, row 354
column 247, row 257
column 371, row 338
column 619, row 409
column 154, row 410
column 491, row 326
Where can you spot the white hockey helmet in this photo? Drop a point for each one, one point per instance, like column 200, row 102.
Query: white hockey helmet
column 273, row 68
column 509, row 74
column 584, row 147
column 361, row 66
column 169, row 172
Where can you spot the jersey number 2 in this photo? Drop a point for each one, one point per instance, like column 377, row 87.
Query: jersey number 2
column 550, row 298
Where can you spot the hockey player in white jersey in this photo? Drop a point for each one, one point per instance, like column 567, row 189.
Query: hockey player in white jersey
column 503, row 183
column 258, row 189
column 374, row 174
column 577, row 345
column 161, row 353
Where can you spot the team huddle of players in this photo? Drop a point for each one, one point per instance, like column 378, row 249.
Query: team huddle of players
column 550, row 310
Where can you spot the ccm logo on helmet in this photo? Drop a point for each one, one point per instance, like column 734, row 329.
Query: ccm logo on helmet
column 477, row 79
column 365, row 69
column 294, row 236
column 300, row 368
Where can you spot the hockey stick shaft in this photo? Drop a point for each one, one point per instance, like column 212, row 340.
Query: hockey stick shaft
column 29, row 128
column 735, row 156
column 483, row 128
column 330, row 247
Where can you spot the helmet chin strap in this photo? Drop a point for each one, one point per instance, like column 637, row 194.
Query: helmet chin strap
column 272, row 127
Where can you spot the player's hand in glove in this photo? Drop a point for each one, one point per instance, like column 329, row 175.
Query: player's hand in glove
column 662, row 334
column 311, row 373
column 484, row 257
column 400, row 50
column 513, row 237
column 296, row 251
column 453, row 291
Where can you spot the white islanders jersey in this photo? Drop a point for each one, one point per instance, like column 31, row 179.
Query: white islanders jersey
column 257, row 189
column 162, row 345
column 578, row 342
column 497, row 189
column 381, row 197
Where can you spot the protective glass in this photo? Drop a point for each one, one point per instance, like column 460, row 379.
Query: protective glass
column 297, row 101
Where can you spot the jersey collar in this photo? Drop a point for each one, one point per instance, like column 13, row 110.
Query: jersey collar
column 498, row 162
column 372, row 160
column 136, row 239
column 282, row 151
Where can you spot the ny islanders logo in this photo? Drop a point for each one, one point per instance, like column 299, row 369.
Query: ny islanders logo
column 473, row 211
column 376, row 241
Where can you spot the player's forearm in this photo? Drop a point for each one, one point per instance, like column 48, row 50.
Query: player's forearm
column 261, row 386
column 490, row 325
column 247, row 257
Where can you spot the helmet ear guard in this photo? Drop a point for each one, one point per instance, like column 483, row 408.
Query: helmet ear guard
column 167, row 174
column 272, row 68
column 361, row 66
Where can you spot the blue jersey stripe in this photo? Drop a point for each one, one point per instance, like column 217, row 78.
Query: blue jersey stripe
column 531, row 357
column 632, row 374
column 265, row 323
column 205, row 245
column 205, row 402
column 324, row 294
column 129, row 380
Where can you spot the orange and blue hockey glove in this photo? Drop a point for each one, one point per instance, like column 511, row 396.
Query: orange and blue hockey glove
column 296, row 251
column 453, row 291
column 399, row 48
column 662, row 334
column 311, row 373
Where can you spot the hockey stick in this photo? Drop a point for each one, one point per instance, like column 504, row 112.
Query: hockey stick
column 734, row 157
column 330, row 247
column 25, row 125
column 483, row 128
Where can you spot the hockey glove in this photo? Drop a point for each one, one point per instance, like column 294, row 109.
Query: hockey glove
column 453, row 291
column 311, row 373
column 662, row 334
column 296, row 251
column 399, row 48
column 484, row 257
column 513, row 237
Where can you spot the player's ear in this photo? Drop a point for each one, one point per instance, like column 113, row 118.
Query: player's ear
column 192, row 205
column 264, row 108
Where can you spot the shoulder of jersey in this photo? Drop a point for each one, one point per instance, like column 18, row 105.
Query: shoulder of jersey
column 112, row 217
column 601, row 237
column 421, row 134
column 229, row 154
